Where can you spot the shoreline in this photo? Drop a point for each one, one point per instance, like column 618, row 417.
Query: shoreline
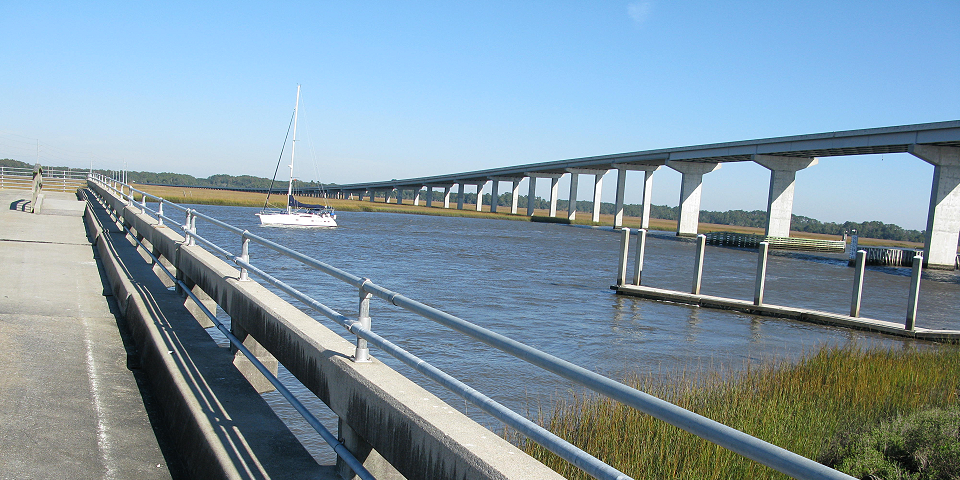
column 205, row 196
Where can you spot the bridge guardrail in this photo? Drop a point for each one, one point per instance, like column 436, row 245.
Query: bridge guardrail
column 758, row 450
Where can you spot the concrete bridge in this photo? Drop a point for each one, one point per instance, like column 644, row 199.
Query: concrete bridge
column 934, row 143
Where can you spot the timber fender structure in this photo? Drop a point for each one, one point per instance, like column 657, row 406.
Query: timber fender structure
column 392, row 425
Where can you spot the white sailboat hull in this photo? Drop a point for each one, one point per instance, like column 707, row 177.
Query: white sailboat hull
column 301, row 219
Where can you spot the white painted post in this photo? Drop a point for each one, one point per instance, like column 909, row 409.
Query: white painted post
column 761, row 273
column 914, row 293
column 858, row 283
column 638, row 261
column 624, row 250
column 698, row 264
column 244, row 256
column 362, row 352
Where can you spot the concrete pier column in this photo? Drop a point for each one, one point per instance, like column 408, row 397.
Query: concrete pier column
column 446, row 196
column 618, row 206
column 372, row 194
column 494, row 192
column 531, row 195
column 460, row 196
column 399, row 195
column 480, row 196
column 416, row 197
column 572, row 203
column 597, row 190
column 943, row 215
column 429, row 196
column 553, row 196
column 690, row 192
column 515, row 199
column 622, row 169
column 783, row 173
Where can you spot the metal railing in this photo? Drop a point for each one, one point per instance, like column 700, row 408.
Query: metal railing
column 758, row 450
column 59, row 180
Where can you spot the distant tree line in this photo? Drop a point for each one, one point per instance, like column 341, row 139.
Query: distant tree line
column 741, row 218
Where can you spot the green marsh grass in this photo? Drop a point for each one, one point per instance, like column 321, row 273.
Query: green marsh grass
column 802, row 407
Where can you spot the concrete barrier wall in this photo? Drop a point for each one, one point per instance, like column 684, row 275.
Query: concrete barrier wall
column 217, row 424
column 387, row 419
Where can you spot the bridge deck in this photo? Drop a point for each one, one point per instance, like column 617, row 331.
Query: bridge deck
column 69, row 405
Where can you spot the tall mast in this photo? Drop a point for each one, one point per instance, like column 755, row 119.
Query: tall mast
column 293, row 149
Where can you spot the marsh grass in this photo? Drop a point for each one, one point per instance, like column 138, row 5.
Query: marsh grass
column 804, row 408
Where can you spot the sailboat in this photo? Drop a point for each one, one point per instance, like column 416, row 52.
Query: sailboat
column 296, row 213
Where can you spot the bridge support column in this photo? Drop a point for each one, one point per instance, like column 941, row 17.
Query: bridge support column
column 399, row 195
column 429, row 196
column 618, row 206
column 460, row 196
column 480, row 196
column 648, row 171
column 690, row 192
column 943, row 216
column 597, row 190
column 597, row 187
column 494, row 192
column 446, row 196
column 553, row 196
column 515, row 199
column 572, row 204
column 783, row 173
column 416, row 197
column 531, row 195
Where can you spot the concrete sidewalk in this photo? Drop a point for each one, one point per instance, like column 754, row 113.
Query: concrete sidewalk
column 69, row 406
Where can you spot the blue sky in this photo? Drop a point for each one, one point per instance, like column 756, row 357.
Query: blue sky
column 394, row 90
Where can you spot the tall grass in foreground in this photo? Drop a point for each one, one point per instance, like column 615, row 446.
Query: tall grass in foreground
column 804, row 408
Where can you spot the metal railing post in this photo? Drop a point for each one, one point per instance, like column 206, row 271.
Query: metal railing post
column 638, row 260
column 624, row 250
column 858, row 283
column 761, row 280
column 186, row 228
column 698, row 264
column 362, row 353
column 914, row 293
column 244, row 256
column 160, row 213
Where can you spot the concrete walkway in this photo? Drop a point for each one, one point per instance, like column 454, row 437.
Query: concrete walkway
column 69, row 406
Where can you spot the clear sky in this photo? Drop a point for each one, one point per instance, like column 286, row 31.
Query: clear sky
column 404, row 89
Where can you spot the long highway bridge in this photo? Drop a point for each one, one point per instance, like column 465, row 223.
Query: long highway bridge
column 936, row 143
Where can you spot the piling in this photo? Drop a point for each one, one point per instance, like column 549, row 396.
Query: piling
column 624, row 250
column 698, row 264
column 861, row 261
column 914, row 293
column 638, row 261
column 761, row 273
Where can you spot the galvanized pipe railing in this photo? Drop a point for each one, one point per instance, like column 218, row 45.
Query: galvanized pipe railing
column 338, row 446
column 758, row 450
